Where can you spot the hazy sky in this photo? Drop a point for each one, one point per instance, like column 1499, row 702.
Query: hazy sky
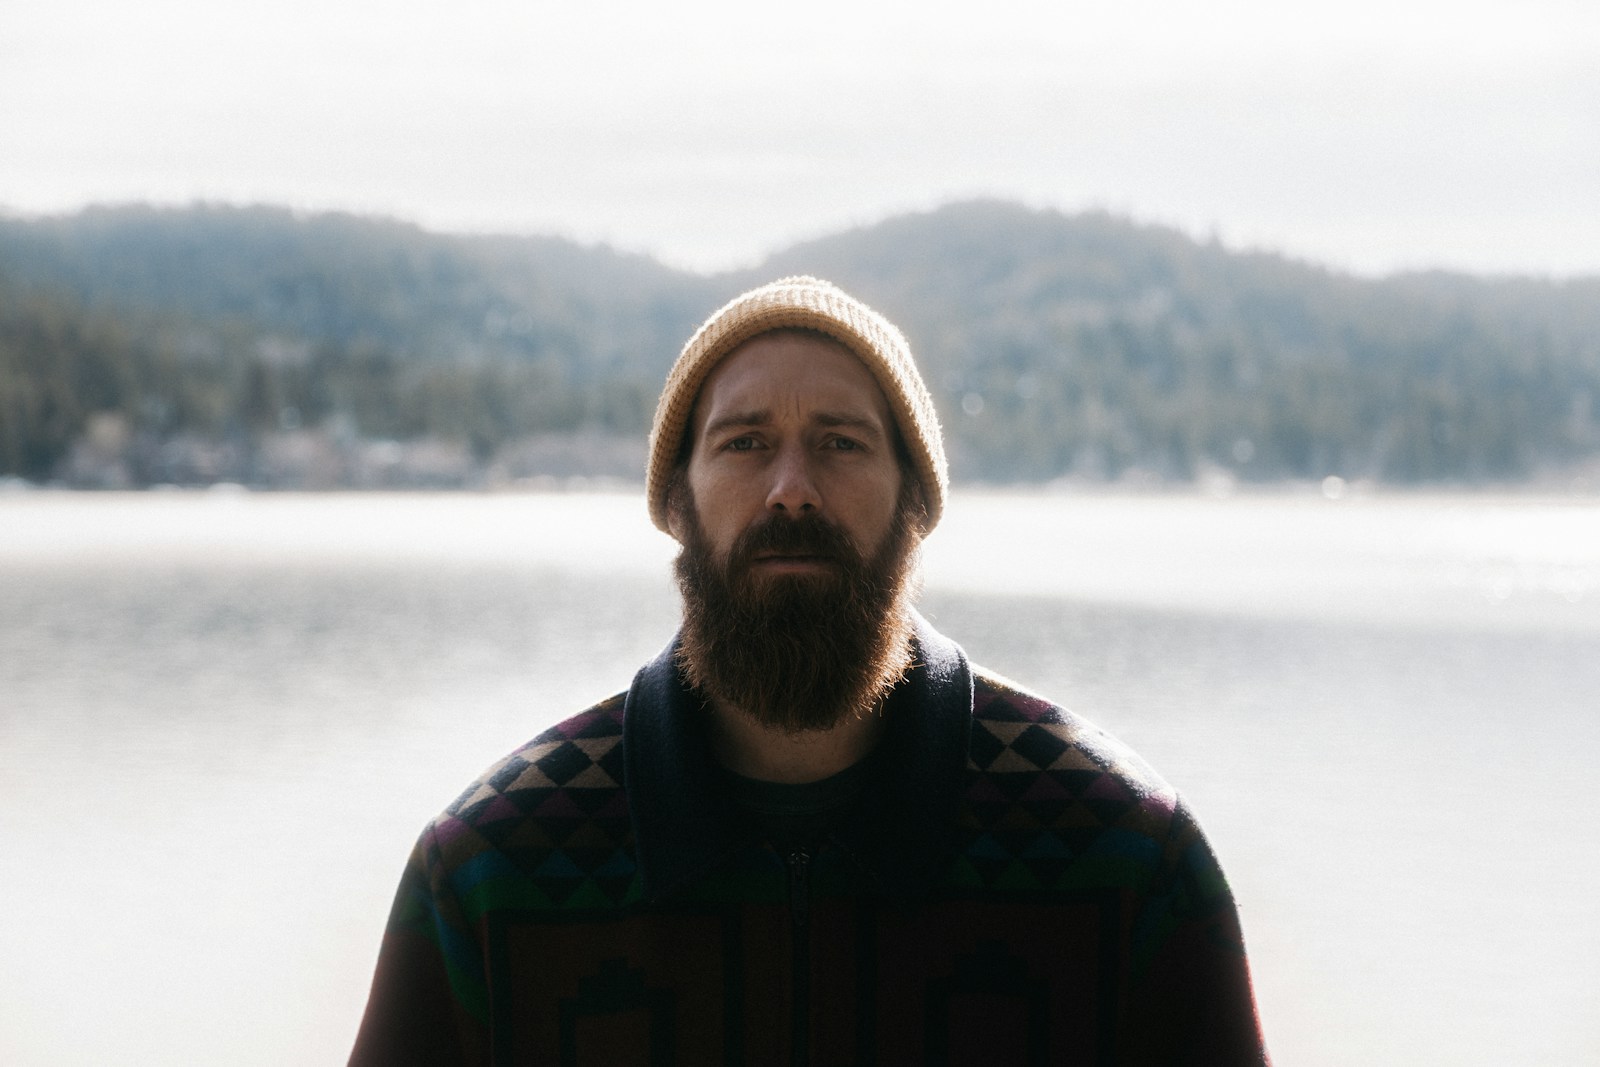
column 1367, row 135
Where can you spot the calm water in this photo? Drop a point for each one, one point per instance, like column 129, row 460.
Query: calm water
column 223, row 718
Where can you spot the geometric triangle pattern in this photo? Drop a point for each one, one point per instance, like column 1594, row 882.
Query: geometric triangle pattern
column 576, row 850
column 1052, row 803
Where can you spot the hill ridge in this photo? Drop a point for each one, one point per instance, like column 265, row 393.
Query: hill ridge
column 1087, row 346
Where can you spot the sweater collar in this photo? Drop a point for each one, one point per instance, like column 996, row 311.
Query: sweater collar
column 682, row 825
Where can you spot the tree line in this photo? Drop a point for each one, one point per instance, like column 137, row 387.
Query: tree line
column 142, row 346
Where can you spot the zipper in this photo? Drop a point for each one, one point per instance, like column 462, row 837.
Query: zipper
column 799, row 862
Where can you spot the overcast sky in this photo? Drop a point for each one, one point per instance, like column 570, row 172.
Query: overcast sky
column 1366, row 134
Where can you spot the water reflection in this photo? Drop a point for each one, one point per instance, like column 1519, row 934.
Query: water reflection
column 223, row 722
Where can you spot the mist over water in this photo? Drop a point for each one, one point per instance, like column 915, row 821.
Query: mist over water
column 223, row 720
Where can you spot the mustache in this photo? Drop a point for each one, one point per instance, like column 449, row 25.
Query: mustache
column 809, row 535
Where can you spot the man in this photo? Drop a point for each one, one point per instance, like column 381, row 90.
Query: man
column 810, row 831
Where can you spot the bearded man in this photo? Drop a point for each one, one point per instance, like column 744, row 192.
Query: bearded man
column 810, row 831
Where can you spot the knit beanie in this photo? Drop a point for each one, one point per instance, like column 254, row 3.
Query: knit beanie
column 813, row 304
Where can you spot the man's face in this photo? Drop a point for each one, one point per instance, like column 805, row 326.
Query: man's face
column 792, row 424
column 799, row 537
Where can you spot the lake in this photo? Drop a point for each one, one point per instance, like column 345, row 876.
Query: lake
column 224, row 716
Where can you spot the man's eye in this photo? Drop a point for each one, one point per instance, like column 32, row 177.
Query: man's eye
column 741, row 444
column 843, row 444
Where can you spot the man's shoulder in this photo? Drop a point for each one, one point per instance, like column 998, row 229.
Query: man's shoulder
column 531, row 801
column 583, row 751
column 1018, row 735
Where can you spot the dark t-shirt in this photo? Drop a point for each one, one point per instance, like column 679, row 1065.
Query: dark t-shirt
column 794, row 816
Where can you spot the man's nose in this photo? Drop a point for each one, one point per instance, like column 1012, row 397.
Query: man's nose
column 793, row 488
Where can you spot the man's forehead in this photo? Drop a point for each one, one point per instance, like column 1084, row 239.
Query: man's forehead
column 793, row 363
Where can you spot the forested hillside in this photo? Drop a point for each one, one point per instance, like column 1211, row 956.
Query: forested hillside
column 142, row 346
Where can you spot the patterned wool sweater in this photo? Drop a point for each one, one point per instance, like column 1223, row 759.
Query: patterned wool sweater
column 1014, row 887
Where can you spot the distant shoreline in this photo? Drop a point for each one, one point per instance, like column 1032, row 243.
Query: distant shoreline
column 1580, row 486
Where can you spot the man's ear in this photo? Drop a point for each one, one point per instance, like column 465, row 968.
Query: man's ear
column 915, row 500
column 678, row 504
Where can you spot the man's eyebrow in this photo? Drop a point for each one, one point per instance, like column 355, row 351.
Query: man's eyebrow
column 737, row 419
column 861, row 423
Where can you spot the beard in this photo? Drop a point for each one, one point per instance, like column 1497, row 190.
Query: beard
column 800, row 652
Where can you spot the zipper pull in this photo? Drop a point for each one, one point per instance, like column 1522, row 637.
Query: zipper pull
column 799, row 861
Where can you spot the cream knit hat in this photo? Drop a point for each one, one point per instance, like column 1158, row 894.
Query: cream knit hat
column 818, row 305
